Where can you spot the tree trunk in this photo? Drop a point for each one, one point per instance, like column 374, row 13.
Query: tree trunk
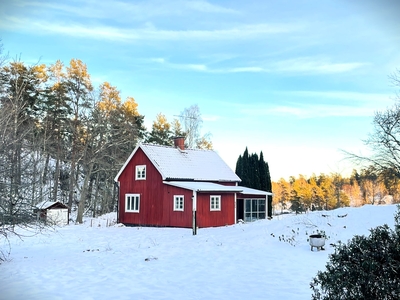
column 71, row 185
column 84, row 192
column 56, row 179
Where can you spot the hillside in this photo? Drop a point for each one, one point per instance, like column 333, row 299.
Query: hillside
column 260, row 260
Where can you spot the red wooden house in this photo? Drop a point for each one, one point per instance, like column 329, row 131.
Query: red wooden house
column 178, row 187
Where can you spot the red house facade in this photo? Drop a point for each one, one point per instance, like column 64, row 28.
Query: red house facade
column 177, row 187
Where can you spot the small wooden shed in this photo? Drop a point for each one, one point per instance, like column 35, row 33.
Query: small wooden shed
column 54, row 212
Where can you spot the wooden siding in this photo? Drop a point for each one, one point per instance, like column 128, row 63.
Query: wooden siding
column 151, row 204
column 177, row 218
column 207, row 218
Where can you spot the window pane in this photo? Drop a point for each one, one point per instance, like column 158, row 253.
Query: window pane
column 180, row 202
column 136, row 201
column 254, row 205
column 247, row 217
column 128, row 202
column 261, row 215
column 254, row 216
column 261, row 205
column 248, row 205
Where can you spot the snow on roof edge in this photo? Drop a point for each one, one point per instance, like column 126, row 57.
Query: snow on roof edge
column 204, row 186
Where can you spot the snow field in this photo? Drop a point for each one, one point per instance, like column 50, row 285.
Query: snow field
column 243, row 261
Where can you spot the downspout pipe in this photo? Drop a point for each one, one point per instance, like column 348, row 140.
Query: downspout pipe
column 116, row 183
column 194, row 211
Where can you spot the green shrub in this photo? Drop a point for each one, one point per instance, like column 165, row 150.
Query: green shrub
column 364, row 268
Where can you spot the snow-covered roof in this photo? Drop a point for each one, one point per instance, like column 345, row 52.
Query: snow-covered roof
column 46, row 204
column 250, row 191
column 189, row 164
column 205, row 186
column 214, row 187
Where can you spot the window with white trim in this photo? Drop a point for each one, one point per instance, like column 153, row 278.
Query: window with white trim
column 141, row 172
column 215, row 202
column 132, row 202
column 179, row 202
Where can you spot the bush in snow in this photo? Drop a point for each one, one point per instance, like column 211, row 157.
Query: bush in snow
column 364, row 268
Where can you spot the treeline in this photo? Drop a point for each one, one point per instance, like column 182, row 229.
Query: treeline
column 369, row 186
column 62, row 139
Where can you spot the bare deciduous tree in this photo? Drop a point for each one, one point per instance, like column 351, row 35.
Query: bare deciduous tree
column 192, row 122
column 384, row 141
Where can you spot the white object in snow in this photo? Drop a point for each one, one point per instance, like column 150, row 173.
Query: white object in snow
column 317, row 241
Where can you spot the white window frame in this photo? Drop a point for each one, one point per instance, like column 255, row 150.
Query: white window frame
column 215, row 203
column 179, row 203
column 140, row 172
column 132, row 203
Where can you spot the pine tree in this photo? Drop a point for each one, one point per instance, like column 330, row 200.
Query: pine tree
column 161, row 133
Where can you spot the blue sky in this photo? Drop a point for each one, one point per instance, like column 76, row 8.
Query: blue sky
column 298, row 80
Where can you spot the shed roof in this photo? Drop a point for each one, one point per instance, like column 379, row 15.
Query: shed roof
column 48, row 204
column 189, row 164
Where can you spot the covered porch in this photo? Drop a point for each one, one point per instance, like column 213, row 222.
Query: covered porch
column 252, row 204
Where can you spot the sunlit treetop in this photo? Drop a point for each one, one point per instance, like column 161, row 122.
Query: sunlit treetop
column 130, row 107
column 57, row 71
column 40, row 72
column 110, row 98
column 161, row 123
column 77, row 71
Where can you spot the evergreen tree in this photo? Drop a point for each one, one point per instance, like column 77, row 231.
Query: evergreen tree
column 366, row 267
column 161, row 133
column 254, row 173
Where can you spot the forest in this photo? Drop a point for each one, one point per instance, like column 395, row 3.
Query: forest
column 62, row 139
column 325, row 192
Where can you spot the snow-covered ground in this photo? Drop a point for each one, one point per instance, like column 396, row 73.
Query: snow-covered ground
column 260, row 260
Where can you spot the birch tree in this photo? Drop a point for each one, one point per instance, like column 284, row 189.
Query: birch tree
column 79, row 87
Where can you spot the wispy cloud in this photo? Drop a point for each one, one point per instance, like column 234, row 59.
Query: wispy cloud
column 149, row 33
column 315, row 65
column 133, row 10
column 307, row 111
column 246, row 70
column 351, row 104
column 343, row 95
column 204, row 6
column 317, row 111
column 205, row 68
column 192, row 67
